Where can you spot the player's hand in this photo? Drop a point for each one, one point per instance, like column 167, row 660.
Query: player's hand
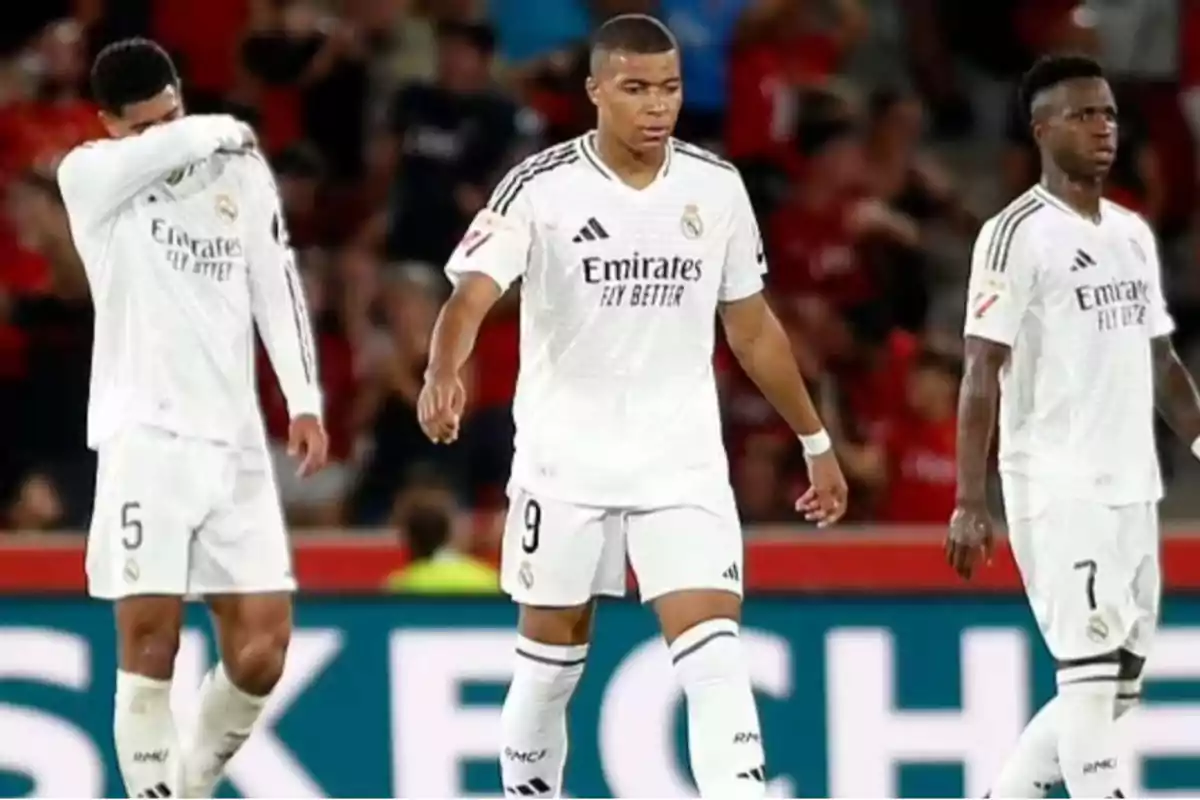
column 308, row 442
column 825, row 501
column 440, row 407
column 969, row 539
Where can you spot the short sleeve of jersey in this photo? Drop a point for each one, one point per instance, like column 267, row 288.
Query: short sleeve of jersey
column 1001, row 284
column 498, row 242
column 1161, row 321
column 745, row 259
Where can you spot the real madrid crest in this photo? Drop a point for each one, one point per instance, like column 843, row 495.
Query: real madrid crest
column 1138, row 251
column 226, row 208
column 690, row 223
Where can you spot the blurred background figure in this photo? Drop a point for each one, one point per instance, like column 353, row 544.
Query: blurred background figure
column 429, row 520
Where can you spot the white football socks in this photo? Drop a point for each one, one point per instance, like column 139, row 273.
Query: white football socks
column 724, row 740
column 226, row 719
column 533, row 722
column 1089, row 747
column 1032, row 769
column 144, row 734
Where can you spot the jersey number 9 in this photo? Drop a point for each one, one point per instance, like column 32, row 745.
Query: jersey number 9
column 533, row 526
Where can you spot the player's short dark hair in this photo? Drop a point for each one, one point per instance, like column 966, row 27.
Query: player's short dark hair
column 130, row 71
column 1051, row 70
column 478, row 35
column 640, row 34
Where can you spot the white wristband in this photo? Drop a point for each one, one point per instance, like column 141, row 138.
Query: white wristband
column 1196, row 447
column 816, row 443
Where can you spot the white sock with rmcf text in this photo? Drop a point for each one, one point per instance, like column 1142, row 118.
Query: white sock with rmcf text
column 533, row 722
column 226, row 719
column 145, row 737
column 724, row 741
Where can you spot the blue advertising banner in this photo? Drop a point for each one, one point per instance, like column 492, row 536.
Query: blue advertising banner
column 860, row 697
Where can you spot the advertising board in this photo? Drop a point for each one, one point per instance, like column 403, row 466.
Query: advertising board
column 880, row 696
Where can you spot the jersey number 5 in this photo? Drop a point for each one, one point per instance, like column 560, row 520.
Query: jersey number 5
column 533, row 526
column 132, row 539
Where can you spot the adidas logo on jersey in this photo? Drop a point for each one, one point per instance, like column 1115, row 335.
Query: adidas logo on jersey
column 1082, row 261
column 590, row 232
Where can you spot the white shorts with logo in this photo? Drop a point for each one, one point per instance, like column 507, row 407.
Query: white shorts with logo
column 560, row 554
column 1091, row 571
column 179, row 516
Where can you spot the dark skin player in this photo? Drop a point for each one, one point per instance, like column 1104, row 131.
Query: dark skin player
column 638, row 97
column 253, row 629
column 1075, row 126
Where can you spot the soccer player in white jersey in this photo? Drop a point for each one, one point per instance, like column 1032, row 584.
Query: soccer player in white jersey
column 628, row 244
column 178, row 224
column 1067, row 327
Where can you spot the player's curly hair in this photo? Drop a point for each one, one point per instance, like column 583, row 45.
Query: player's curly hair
column 130, row 71
column 631, row 33
column 1051, row 70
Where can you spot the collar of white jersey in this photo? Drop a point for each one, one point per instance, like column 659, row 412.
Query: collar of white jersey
column 1043, row 194
column 587, row 146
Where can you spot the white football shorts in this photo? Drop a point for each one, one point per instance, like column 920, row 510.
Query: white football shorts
column 558, row 554
column 1091, row 571
column 180, row 516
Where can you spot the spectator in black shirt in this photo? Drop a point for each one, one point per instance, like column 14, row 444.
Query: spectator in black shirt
column 449, row 140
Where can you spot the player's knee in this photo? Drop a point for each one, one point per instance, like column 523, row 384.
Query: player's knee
column 679, row 612
column 255, row 664
column 709, row 652
column 557, row 626
column 149, row 640
column 1093, row 676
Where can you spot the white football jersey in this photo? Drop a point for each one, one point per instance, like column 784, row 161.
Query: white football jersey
column 616, row 402
column 1078, row 301
column 185, row 249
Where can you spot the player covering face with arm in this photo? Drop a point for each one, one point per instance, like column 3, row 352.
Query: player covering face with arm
column 628, row 243
column 178, row 225
column 1067, row 330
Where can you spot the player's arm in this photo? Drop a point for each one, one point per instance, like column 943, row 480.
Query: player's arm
column 978, row 399
column 998, row 295
column 97, row 178
column 281, row 315
column 1175, row 394
column 762, row 347
column 491, row 256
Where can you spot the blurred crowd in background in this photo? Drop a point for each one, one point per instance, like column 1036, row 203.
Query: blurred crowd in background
column 874, row 136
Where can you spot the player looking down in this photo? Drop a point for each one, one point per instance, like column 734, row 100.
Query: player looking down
column 628, row 243
column 178, row 224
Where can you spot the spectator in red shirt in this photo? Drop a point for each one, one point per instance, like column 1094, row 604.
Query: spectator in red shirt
column 37, row 131
column 781, row 46
column 815, row 237
column 918, row 445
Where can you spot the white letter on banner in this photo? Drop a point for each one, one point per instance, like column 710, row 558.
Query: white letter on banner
column 432, row 733
column 637, row 716
column 869, row 737
column 59, row 757
column 264, row 767
column 1167, row 728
